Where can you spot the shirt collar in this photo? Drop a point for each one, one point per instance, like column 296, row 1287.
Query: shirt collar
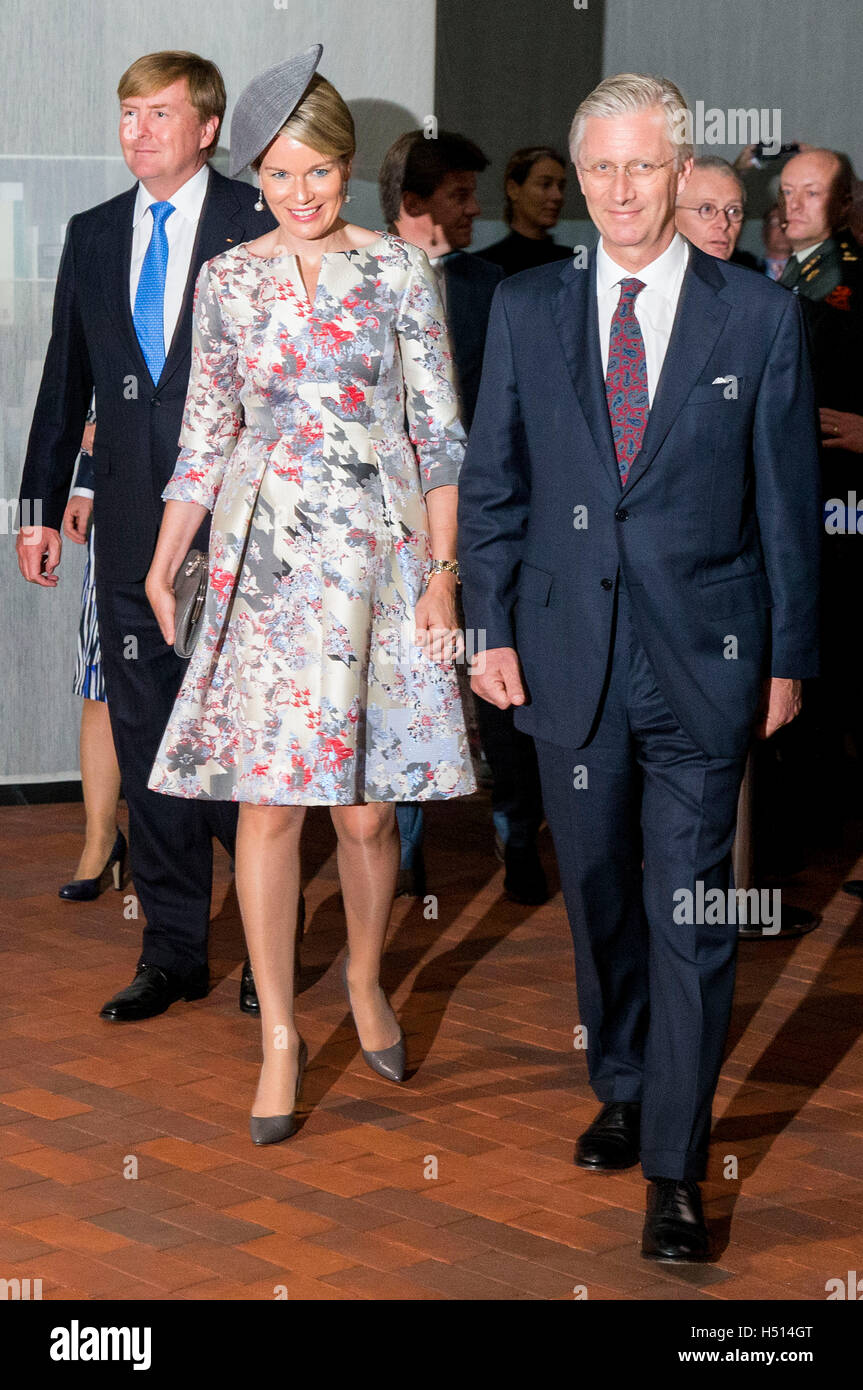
column 663, row 275
column 188, row 199
column 804, row 255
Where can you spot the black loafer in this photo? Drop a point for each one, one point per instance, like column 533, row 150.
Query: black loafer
column 249, row 1003
column 613, row 1140
column 248, row 994
column 524, row 881
column 674, row 1227
column 152, row 991
column 793, row 922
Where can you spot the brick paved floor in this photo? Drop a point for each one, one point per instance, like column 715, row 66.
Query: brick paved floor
column 456, row 1185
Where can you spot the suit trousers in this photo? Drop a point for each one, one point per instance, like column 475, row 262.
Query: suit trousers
column 516, row 798
column 170, row 839
column 638, row 814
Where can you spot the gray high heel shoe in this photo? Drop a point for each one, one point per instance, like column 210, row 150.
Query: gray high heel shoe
column 389, row 1062
column 272, row 1129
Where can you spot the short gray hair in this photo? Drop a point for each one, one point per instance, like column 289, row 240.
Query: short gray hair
column 721, row 166
column 626, row 93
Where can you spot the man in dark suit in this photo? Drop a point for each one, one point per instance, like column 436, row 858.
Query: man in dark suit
column 428, row 197
column 825, row 270
column 122, row 325
column 639, row 519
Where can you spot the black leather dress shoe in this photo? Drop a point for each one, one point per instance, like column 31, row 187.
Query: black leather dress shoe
column 248, row 993
column 674, row 1227
column 613, row 1140
column 152, row 991
column 525, row 880
column 793, row 922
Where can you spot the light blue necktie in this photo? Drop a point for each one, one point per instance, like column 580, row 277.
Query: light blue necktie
column 149, row 314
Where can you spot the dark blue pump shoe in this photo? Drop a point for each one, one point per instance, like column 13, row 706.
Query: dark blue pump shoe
column 84, row 890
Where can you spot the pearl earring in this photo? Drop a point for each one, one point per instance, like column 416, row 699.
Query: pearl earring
column 346, row 197
column 259, row 205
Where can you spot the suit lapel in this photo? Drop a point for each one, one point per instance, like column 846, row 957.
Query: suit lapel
column 575, row 316
column 113, row 251
column 699, row 320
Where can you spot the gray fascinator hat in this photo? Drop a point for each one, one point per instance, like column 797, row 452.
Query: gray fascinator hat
column 263, row 107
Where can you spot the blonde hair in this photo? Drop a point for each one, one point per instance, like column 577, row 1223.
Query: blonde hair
column 203, row 80
column 321, row 121
column 629, row 92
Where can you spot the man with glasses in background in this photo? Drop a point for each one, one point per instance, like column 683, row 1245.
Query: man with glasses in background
column 710, row 210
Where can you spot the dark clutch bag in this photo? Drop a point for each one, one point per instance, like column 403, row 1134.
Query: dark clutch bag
column 190, row 590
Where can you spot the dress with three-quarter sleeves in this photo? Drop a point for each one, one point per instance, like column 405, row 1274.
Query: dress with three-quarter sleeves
column 313, row 430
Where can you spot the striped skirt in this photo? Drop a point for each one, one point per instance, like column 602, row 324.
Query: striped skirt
column 88, row 664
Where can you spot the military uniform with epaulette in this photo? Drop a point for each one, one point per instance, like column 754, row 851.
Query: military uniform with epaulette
column 829, row 282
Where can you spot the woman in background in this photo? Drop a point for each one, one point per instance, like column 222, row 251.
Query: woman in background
column 534, row 184
column 104, row 854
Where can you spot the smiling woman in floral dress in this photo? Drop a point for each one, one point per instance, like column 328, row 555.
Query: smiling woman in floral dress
column 321, row 428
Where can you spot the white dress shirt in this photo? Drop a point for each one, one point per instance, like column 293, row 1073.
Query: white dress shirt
column 181, row 229
column 655, row 305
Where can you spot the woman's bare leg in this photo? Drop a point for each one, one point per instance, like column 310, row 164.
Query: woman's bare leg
column 368, row 860
column 268, row 889
column 100, row 781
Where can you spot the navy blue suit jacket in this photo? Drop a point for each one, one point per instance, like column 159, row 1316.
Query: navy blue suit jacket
column 470, row 286
column 717, row 532
column 93, row 343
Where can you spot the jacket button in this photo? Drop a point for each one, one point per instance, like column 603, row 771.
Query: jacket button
column 621, row 514
column 154, row 400
column 607, row 583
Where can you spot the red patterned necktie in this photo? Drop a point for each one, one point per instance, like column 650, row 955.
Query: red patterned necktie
column 626, row 379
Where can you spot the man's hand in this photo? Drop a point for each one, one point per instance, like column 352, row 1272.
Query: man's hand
column 38, row 549
column 76, row 519
column 781, row 701
column 496, row 677
column 841, row 430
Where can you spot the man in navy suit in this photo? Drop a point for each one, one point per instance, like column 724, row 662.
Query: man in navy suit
column 428, row 197
column 122, row 325
column 639, row 514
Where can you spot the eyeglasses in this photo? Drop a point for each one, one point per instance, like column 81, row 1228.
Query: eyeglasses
column 707, row 211
column 638, row 170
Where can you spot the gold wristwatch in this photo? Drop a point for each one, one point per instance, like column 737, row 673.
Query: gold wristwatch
column 445, row 567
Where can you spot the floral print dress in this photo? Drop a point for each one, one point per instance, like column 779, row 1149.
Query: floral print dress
column 312, row 430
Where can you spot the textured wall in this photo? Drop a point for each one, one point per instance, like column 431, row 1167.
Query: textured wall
column 512, row 74
column 60, row 66
column 802, row 58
